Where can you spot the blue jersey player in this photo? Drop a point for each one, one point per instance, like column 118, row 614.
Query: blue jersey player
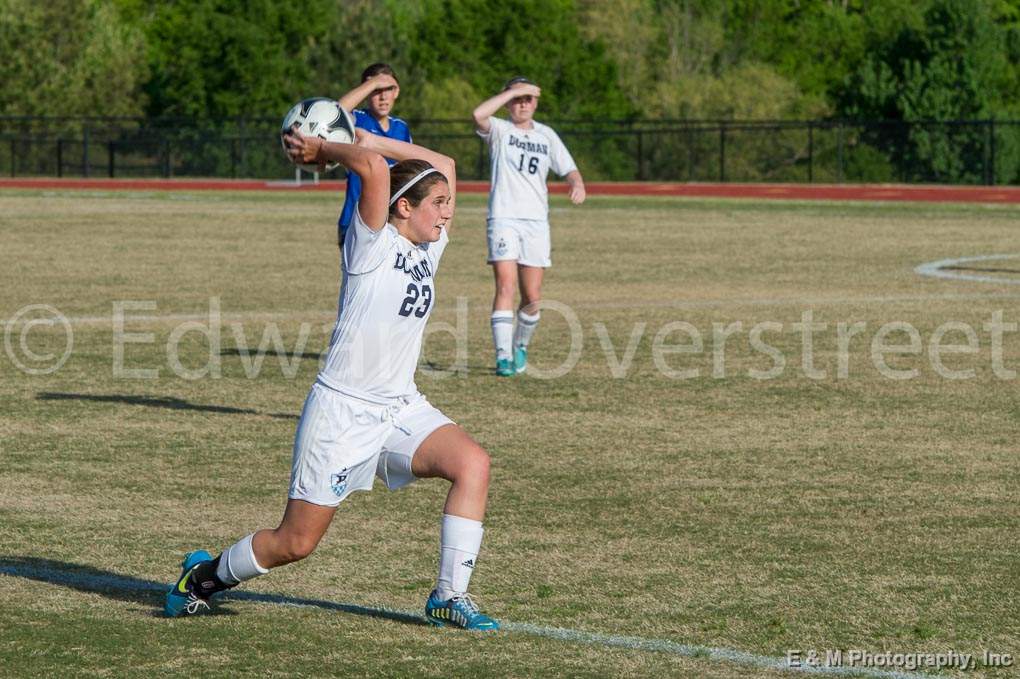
column 380, row 87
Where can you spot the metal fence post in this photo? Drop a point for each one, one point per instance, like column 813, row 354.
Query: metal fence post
column 722, row 151
column 839, row 153
column 110, row 160
column 690, row 153
column 13, row 158
column 166, row 158
column 982, row 128
column 991, row 152
column 907, row 133
column 640, row 156
column 810, row 153
column 85, row 151
column 60, row 157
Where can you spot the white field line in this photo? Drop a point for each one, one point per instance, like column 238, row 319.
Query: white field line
column 326, row 316
column 107, row 582
column 937, row 269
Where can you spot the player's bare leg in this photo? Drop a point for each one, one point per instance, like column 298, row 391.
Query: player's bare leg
column 451, row 454
column 530, row 281
column 296, row 537
column 505, row 273
column 202, row 576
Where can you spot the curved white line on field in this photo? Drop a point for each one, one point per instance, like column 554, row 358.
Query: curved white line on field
column 105, row 581
column 937, row 269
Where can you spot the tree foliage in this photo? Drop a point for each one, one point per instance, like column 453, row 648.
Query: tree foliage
column 69, row 57
column 900, row 60
column 220, row 58
column 947, row 62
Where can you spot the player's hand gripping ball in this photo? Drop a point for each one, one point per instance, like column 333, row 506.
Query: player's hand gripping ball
column 317, row 117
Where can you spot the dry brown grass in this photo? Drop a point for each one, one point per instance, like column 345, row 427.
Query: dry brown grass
column 755, row 515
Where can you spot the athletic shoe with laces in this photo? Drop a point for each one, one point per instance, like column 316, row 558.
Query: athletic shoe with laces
column 520, row 359
column 181, row 599
column 458, row 611
column 505, row 367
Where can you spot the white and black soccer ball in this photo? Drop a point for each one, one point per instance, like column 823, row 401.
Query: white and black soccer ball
column 319, row 117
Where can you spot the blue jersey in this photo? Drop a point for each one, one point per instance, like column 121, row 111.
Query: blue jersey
column 398, row 130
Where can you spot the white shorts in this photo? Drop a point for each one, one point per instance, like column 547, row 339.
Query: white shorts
column 343, row 443
column 525, row 241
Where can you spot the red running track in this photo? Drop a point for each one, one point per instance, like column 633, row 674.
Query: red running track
column 848, row 192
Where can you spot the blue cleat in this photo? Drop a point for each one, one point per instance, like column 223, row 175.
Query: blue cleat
column 181, row 598
column 459, row 611
column 505, row 368
column 520, row 359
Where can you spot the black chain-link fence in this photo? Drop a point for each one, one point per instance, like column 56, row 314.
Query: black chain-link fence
column 953, row 152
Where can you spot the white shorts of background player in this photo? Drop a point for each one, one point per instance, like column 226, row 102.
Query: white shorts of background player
column 525, row 241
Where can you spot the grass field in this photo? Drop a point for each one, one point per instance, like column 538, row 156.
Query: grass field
column 820, row 508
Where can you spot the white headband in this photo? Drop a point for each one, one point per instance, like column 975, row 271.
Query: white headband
column 404, row 189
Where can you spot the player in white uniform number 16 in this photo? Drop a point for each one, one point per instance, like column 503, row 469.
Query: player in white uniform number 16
column 364, row 416
column 522, row 152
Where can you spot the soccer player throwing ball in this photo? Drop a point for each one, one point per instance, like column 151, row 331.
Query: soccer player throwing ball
column 364, row 416
column 522, row 152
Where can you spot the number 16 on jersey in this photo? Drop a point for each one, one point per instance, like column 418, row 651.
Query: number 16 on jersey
column 532, row 164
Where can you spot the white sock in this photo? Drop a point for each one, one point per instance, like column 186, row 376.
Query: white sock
column 502, row 333
column 526, row 324
column 238, row 563
column 460, row 540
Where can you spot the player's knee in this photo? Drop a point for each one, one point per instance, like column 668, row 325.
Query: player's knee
column 505, row 290
column 476, row 466
column 295, row 547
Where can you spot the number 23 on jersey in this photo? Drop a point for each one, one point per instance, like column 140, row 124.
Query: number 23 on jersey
column 411, row 302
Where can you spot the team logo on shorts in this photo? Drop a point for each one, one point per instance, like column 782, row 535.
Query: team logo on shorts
column 501, row 247
column 338, row 481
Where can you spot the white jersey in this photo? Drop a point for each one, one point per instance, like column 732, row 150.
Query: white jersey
column 521, row 160
column 385, row 301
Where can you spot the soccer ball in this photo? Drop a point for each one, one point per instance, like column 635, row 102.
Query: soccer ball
column 319, row 117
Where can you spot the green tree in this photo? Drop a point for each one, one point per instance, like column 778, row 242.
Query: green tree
column 946, row 61
column 69, row 57
column 701, row 58
column 483, row 44
column 219, row 58
column 363, row 32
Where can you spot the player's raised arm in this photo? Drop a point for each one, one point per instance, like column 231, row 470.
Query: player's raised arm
column 400, row 150
column 488, row 108
column 373, row 206
column 352, row 99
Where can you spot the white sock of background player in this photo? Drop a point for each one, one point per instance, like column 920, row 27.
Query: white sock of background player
column 526, row 324
column 502, row 333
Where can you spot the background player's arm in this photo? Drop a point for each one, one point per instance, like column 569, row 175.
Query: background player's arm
column 352, row 99
column 576, row 182
column 488, row 108
column 401, row 150
column 373, row 206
